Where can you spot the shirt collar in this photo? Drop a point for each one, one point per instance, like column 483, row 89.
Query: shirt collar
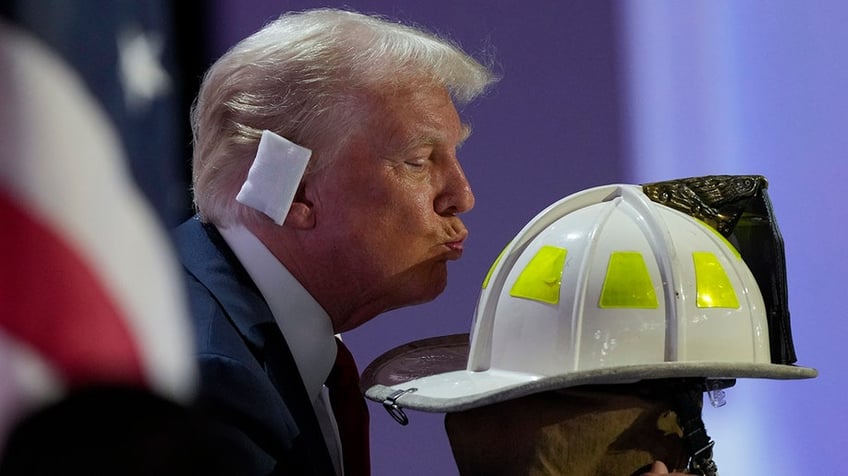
column 305, row 325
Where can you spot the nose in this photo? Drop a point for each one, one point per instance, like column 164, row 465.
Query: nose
column 456, row 197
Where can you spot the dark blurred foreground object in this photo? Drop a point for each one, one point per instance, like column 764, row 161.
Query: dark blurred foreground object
column 115, row 431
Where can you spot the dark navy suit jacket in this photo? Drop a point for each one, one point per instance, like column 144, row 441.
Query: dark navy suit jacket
column 250, row 384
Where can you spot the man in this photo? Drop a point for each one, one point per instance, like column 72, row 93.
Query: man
column 370, row 226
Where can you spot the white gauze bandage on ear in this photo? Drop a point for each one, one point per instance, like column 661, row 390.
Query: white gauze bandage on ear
column 274, row 176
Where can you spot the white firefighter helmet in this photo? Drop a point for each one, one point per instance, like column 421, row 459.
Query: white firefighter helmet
column 604, row 286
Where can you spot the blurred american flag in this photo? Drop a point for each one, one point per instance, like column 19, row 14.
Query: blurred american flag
column 92, row 172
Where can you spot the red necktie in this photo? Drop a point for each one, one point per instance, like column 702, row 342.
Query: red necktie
column 351, row 413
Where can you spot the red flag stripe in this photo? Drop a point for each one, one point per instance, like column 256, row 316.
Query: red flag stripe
column 55, row 303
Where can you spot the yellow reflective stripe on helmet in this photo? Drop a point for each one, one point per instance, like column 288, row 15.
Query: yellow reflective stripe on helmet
column 492, row 268
column 540, row 280
column 713, row 287
column 627, row 283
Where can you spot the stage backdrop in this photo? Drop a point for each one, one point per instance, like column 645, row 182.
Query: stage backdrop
column 758, row 87
column 603, row 92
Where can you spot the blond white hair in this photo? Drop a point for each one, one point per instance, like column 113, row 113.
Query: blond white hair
column 302, row 76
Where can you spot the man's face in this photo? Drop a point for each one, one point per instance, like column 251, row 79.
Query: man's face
column 387, row 209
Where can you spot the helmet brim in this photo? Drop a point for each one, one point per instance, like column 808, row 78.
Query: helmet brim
column 436, row 369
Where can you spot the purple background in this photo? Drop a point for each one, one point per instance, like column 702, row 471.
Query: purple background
column 597, row 92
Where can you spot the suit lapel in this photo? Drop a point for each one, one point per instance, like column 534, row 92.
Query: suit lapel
column 214, row 264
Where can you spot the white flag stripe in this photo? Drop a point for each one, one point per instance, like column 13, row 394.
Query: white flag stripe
column 28, row 381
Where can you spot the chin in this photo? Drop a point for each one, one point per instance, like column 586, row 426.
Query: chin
column 427, row 292
column 424, row 288
column 435, row 291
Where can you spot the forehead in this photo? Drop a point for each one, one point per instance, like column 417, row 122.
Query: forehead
column 415, row 118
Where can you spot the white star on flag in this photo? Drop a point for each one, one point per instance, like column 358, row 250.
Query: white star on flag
column 142, row 75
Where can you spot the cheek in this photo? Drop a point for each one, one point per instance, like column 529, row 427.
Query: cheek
column 401, row 233
column 387, row 211
column 412, row 221
column 415, row 204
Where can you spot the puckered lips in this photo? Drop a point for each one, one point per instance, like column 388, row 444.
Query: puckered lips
column 456, row 244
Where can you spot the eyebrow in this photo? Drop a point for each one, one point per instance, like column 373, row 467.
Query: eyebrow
column 464, row 135
column 432, row 139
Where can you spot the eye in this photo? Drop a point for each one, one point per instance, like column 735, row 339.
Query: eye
column 416, row 163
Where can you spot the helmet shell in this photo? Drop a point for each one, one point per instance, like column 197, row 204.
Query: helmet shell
column 622, row 281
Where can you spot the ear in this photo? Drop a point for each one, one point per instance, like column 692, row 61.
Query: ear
column 302, row 212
